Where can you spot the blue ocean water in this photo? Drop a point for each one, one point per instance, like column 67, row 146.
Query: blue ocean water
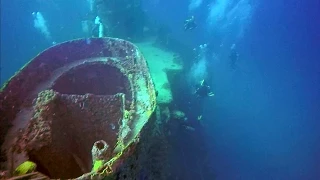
column 263, row 122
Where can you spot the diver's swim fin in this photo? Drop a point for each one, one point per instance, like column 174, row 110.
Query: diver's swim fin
column 201, row 82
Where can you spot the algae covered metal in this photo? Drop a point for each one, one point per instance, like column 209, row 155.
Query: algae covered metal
column 76, row 110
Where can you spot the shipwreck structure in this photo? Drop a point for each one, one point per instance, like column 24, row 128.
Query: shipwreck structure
column 77, row 110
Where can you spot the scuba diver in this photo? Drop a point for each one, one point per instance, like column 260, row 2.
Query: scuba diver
column 203, row 90
column 98, row 28
column 189, row 24
column 95, row 31
column 234, row 56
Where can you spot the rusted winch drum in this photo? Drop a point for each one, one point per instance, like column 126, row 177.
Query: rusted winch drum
column 76, row 110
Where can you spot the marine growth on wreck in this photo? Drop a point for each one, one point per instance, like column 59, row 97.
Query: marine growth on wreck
column 76, row 110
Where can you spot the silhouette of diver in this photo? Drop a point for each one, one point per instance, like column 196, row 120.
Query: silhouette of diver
column 203, row 90
column 234, row 56
column 95, row 30
column 190, row 24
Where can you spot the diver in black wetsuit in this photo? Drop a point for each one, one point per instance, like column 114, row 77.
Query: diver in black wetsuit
column 190, row 24
column 203, row 90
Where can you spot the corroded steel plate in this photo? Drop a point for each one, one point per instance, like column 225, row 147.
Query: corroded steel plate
column 76, row 104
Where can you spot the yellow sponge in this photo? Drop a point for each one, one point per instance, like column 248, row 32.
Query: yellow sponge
column 25, row 168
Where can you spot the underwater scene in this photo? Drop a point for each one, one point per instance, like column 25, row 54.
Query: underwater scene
column 160, row 89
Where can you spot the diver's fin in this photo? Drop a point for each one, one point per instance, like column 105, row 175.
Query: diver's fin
column 201, row 82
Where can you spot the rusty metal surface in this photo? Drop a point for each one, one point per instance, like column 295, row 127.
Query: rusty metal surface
column 71, row 96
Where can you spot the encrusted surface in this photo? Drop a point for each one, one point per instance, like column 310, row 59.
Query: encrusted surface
column 71, row 96
column 64, row 129
column 152, row 157
column 160, row 62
